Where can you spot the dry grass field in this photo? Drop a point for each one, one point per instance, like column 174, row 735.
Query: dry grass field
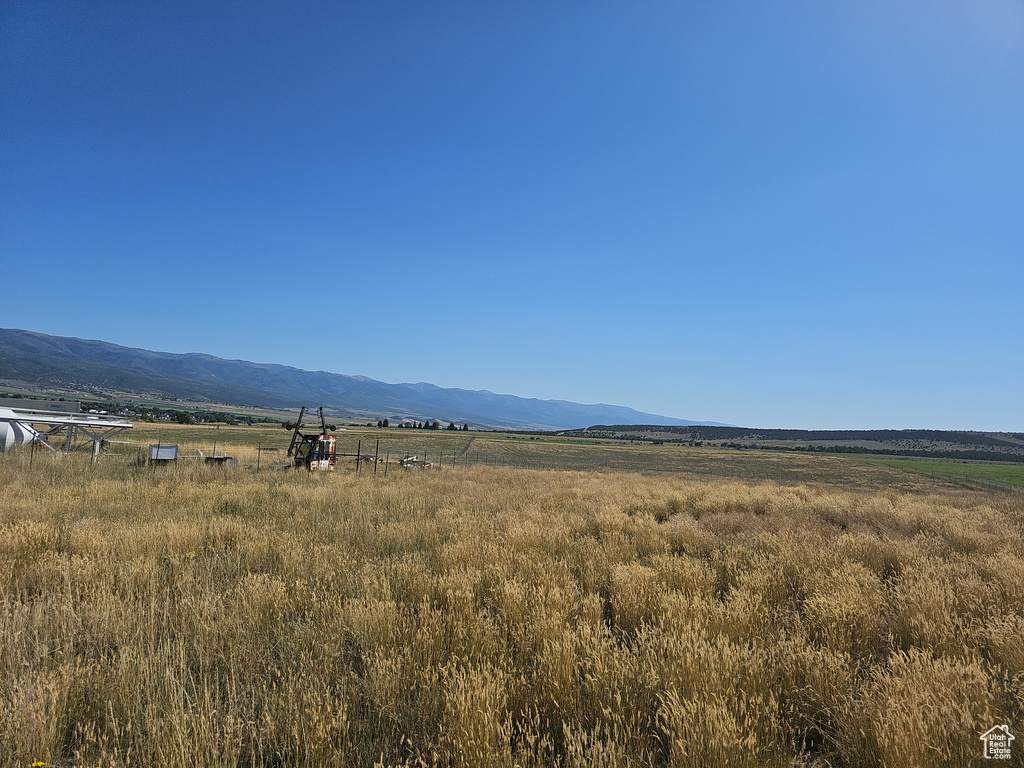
column 268, row 444
column 200, row 616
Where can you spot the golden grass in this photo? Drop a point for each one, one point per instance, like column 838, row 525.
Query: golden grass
column 495, row 449
column 194, row 616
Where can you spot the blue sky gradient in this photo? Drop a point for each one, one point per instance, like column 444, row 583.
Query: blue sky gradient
column 788, row 214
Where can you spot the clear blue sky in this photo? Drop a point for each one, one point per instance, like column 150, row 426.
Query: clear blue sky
column 780, row 214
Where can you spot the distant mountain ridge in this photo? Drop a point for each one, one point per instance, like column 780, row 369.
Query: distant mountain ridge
column 70, row 363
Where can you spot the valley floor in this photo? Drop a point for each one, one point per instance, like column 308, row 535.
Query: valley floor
column 482, row 616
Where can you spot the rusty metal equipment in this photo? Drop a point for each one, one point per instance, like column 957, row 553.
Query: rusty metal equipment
column 312, row 450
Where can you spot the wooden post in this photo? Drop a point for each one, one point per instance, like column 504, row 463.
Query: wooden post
column 376, row 455
column 386, row 460
column 259, row 450
column 359, row 450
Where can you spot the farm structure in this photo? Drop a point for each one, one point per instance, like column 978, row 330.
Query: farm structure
column 24, row 426
column 319, row 451
column 313, row 450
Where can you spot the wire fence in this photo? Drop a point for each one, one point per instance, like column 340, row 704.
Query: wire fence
column 386, row 456
column 366, row 454
column 972, row 480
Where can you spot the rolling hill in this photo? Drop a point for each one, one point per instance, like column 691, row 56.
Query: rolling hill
column 929, row 443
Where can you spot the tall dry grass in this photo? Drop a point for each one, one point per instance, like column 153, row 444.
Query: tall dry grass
column 195, row 616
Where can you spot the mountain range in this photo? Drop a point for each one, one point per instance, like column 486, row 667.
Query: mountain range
column 59, row 363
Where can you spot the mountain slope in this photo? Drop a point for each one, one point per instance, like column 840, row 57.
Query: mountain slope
column 57, row 361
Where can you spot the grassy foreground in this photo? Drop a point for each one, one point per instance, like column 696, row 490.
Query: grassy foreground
column 195, row 616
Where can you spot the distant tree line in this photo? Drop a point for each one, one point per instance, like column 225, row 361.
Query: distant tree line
column 854, row 449
column 705, row 433
column 178, row 415
column 435, row 424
